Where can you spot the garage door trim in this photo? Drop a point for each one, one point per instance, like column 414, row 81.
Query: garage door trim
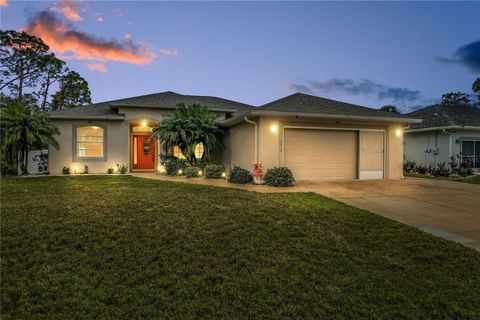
column 282, row 145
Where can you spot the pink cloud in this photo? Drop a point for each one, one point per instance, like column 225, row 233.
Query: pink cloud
column 3, row 3
column 71, row 43
column 100, row 67
column 70, row 9
column 169, row 52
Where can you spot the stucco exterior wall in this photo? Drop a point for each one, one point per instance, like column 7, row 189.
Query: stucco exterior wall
column 419, row 146
column 271, row 134
column 239, row 147
column 116, row 147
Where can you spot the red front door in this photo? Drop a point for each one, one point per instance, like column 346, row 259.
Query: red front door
column 143, row 152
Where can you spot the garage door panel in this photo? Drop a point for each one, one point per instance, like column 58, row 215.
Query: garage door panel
column 321, row 154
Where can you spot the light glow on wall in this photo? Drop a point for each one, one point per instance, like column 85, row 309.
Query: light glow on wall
column 161, row 169
column 144, row 123
column 398, row 133
column 273, row 128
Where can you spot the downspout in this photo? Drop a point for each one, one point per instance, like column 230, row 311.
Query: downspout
column 256, row 139
column 450, row 143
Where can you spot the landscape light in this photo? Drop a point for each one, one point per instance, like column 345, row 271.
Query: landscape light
column 161, row 169
column 180, row 171
column 224, row 174
column 199, row 172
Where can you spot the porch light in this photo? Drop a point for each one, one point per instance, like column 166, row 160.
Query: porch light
column 398, row 133
column 273, row 128
column 144, row 123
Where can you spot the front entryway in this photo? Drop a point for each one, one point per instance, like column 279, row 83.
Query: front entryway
column 143, row 148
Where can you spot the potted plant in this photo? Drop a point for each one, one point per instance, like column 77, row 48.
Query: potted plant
column 257, row 174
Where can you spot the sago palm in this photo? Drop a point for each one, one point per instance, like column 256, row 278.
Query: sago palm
column 188, row 126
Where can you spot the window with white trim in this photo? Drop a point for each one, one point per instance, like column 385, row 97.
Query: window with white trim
column 89, row 142
column 471, row 152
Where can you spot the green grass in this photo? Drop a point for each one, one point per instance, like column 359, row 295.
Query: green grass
column 473, row 180
column 129, row 248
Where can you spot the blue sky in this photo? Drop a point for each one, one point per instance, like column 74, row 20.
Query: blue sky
column 370, row 53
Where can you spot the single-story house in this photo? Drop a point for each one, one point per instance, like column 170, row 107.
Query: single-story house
column 446, row 131
column 317, row 138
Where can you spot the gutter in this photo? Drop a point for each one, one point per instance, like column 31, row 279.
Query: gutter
column 441, row 128
column 238, row 118
column 256, row 135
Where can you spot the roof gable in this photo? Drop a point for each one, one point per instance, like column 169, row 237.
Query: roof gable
column 304, row 103
column 446, row 116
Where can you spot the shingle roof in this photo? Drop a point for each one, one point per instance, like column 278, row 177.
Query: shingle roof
column 162, row 100
column 92, row 111
column 446, row 116
column 304, row 103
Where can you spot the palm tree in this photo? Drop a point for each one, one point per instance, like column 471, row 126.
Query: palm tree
column 23, row 128
column 188, row 126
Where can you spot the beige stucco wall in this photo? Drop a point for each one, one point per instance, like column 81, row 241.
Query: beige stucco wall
column 270, row 144
column 116, row 152
column 118, row 140
column 239, row 147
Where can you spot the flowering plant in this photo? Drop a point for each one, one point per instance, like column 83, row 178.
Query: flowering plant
column 257, row 171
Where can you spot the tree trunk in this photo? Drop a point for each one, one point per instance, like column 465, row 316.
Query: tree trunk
column 20, row 82
column 45, row 93
column 26, row 161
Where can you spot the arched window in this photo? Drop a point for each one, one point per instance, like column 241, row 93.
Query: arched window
column 89, row 142
column 199, row 150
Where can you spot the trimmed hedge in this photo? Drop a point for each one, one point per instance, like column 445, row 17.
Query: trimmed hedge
column 191, row 172
column 240, row 175
column 214, row 171
column 279, row 177
column 173, row 165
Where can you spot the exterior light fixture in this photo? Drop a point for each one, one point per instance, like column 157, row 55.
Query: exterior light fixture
column 273, row 128
column 199, row 172
column 398, row 133
column 144, row 123
column 224, row 174
column 180, row 171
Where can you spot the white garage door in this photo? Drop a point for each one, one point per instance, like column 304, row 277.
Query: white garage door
column 321, row 154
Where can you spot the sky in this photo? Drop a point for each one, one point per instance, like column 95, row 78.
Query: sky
column 368, row 53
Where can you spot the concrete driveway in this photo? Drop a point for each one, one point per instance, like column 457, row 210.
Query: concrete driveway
column 447, row 209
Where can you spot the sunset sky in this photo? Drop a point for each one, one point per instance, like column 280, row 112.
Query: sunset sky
column 370, row 53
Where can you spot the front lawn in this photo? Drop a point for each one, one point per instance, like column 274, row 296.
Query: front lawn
column 128, row 248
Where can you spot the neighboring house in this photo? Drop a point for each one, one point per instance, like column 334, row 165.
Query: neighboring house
column 446, row 131
column 318, row 139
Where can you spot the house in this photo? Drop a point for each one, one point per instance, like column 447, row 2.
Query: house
column 446, row 131
column 317, row 138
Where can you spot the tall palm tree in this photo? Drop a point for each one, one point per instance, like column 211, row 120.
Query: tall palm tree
column 188, row 126
column 23, row 128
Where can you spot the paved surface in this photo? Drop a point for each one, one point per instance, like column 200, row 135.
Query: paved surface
column 447, row 209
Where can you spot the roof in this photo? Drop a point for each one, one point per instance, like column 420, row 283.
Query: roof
column 162, row 100
column 305, row 103
column 446, row 116
column 308, row 106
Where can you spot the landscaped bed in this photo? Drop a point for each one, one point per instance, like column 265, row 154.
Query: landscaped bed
column 124, row 247
column 475, row 179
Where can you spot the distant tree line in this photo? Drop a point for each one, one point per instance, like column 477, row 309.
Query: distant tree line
column 456, row 98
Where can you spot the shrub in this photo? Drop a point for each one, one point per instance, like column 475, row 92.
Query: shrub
column 214, row 171
column 420, row 168
column 409, row 166
column 122, row 169
column 240, row 175
column 440, row 170
column 173, row 165
column 85, row 170
column 66, row 170
column 110, row 170
column 192, row 172
column 279, row 177
column 6, row 169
